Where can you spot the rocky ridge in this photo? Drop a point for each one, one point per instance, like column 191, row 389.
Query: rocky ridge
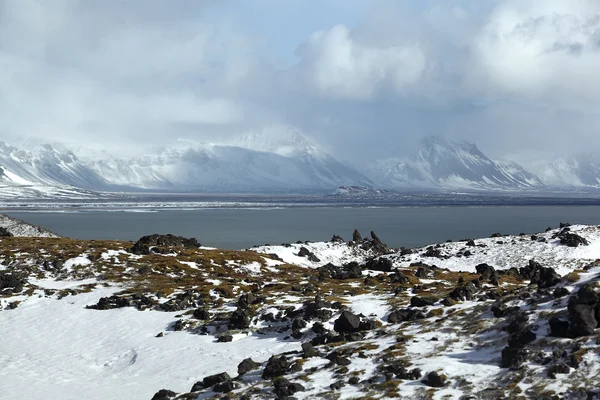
column 498, row 317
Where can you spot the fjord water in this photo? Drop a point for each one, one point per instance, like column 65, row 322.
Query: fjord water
column 242, row 228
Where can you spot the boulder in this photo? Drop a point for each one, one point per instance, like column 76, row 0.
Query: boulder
column 433, row 379
column 163, row 243
column 582, row 320
column 246, row 366
column 513, row 357
column 559, row 327
column 407, row 314
column 276, row 366
column 356, row 237
column 164, row 394
column 284, row 388
column 347, row 322
column 210, row 381
column 304, row 252
column 424, row 301
column 488, row 273
column 379, row 264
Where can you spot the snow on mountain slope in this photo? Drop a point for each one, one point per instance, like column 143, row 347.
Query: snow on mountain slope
column 449, row 164
column 579, row 170
column 259, row 162
column 46, row 165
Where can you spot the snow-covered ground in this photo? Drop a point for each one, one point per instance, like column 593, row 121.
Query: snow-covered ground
column 55, row 347
column 20, row 228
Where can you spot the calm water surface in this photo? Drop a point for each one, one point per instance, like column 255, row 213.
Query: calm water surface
column 242, row 228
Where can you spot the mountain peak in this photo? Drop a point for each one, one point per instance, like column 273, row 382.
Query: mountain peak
column 282, row 140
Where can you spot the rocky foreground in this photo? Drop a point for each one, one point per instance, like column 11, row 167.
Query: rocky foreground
column 165, row 318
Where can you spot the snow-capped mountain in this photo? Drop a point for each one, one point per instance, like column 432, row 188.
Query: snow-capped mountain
column 451, row 164
column 45, row 171
column 266, row 161
column 580, row 171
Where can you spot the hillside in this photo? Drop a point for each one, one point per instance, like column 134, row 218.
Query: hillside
column 499, row 317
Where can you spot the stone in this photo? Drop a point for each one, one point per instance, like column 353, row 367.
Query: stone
column 164, row 394
column 210, row 381
column 379, row 264
column 276, row 366
column 513, row 357
column 403, row 315
column 433, row 379
column 424, row 301
column 309, row 350
column 162, row 244
column 559, row 327
column 304, row 252
column 347, row 322
column 246, row 366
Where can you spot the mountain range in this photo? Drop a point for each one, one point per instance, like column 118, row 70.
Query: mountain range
column 277, row 161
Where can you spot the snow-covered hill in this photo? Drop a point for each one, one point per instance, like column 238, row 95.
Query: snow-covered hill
column 499, row 318
column 20, row 228
column 285, row 161
column 581, row 170
column 450, row 164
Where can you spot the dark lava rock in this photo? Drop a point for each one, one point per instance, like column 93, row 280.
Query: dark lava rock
column 224, row 387
column 225, row 338
column 424, row 272
column 471, row 243
column 513, row 357
column 377, row 244
column 201, row 313
column 403, row 315
column 304, row 252
column 12, row 281
column 463, row 292
column 582, row 320
column 560, row 292
column 337, row 239
column 107, row 303
column 434, row 379
column 246, row 366
column 559, row 327
column 544, row 277
column 5, row 232
column 432, row 252
column 240, row 319
column 402, row 373
column 309, row 350
column 488, row 273
column 276, row 366
column 349, row 271
column 564, row 225
column 164, row 394
column 560, row 368
column 210, row 381
column 521, row 338
column 162, row 243
column 347, row 322
column 380, row 264
column 417, row 301
column 572, row 239
column 356, row 237
column 284, row 388
column 399, row 277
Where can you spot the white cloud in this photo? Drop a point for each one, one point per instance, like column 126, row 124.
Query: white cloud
column 338, row 65
column 542, row 50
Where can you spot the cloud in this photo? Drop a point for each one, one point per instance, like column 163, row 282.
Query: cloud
column 339, row 65
column 368, row 81
column 547, row 51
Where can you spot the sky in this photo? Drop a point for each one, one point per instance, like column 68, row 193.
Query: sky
column 364, row 79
